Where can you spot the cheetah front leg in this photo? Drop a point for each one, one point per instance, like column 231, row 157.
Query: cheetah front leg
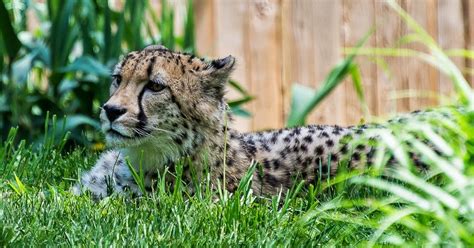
column 109, row 174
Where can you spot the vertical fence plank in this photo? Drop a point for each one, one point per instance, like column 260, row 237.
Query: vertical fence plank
column 328, row 18
column 358, row 19
column 402, row 80
column 232, row 40
column 469, row 30
column 422, row 78
column 450, row 34
column 311, row 48
column 265, row 63
column 388, row 30
column 204, row 19
column 328, row 43
column 298, row 47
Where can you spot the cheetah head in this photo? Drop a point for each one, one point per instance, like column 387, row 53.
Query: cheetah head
column 158, row 93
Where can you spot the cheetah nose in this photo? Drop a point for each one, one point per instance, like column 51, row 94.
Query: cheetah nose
column 113, row 112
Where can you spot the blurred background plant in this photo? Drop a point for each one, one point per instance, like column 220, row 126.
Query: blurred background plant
column 62, row 65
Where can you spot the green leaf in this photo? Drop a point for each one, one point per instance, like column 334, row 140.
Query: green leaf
column 88, row 65
column 74, row 121
column 301, row 97
column 116, row 45
column 236, row 104
column 61, row 29
column 166, row 25
column 67, row 85
column 237, row 110
column 234, row 84
column 357, row 82
column 86, row 24
column 189, row 40
column 42, row 52
column 18, row 187
column 135, row 18
column 243, row 100
column 8, row 37
column 397, row 190
column 22, row 67
column 106, row 50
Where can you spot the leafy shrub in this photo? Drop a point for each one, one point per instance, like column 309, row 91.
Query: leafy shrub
column 63, row 66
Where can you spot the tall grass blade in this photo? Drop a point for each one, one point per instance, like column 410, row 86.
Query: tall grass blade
column 189, row 39
column 445, row 64
column 397, row 190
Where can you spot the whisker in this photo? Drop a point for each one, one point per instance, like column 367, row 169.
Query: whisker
column 152, row 128
column 160, row 129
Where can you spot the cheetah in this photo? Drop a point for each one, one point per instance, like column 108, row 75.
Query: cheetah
column 166, row 105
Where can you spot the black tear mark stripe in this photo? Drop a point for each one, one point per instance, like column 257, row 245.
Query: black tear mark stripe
column 149, row 70
column 173, row 99
column 142, row 119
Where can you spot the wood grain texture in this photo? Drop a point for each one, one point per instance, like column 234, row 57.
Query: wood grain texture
column 265, row 63
column 281, row 42
column 468, row 6
column 450, row 35
column 327, row 22
column 388, row 31
column 205, row 19
column 235, row 43
column 298, row 39
column 358, row 20
column 421, row 77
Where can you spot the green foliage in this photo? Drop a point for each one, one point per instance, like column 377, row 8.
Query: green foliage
column 63, row 66
column 434, row 205
column 64, row 69
column 9, row 43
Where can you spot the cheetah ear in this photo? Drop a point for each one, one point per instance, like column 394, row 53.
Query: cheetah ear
column 220, row 68
column 223, row 65
column 218, row 72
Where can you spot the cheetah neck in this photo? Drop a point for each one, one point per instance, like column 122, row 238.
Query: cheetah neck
column 204, row 145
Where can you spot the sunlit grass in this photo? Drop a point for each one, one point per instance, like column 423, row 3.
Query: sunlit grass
column 385, row 204
column 36, row 208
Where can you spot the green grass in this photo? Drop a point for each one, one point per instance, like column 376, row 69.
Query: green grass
column 401, row 206
column 37, row 209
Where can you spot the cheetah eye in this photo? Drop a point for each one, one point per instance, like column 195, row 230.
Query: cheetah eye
column 116, row 79
column 155, row 87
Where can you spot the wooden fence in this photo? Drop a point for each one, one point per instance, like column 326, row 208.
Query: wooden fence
column 280, row 42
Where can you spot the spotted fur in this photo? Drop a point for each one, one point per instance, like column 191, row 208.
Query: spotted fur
column 167, row 105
